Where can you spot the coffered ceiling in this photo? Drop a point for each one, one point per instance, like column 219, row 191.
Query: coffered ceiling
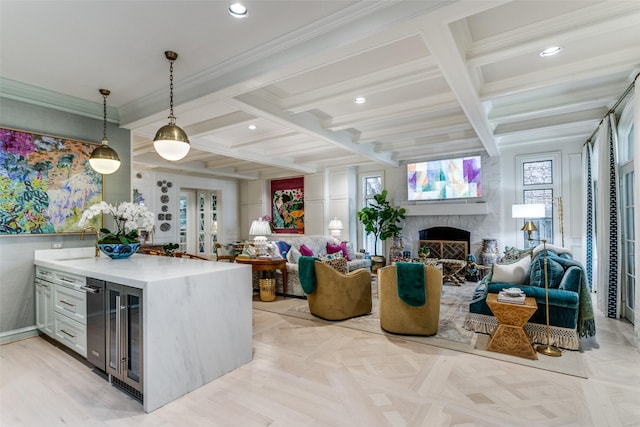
column 440, row 77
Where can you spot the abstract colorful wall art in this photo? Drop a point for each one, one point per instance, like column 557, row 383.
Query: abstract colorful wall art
column 445, row 179
column 45, row 183
column 287, row 205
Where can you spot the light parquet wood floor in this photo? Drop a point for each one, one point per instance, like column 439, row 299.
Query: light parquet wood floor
column 305, row 373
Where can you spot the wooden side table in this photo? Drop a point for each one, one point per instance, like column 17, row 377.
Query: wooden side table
column 452, row 270
column 509, row 337
column 258, row 264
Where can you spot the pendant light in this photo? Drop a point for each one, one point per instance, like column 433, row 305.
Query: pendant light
column 171, row 142
column 104, row 159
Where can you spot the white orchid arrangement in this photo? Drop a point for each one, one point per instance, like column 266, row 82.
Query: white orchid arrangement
column 128, row 218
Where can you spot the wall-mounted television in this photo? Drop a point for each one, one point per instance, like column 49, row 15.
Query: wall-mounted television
column 446, row 179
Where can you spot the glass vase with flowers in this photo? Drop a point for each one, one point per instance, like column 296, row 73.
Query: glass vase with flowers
column 127, row 217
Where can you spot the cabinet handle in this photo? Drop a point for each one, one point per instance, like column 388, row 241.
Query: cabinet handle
column 64, row 279
column 67, row 303
column 118, row 326
column 45, row 273
column 67, row 333
column 44, row 285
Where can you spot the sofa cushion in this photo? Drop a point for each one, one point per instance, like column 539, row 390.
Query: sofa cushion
column 555, row 271
column 283, row 247
column 342, row 247
column 513, row 254
column 293, row 255
column 305, row 251
column 515, row 273
column 339, row 264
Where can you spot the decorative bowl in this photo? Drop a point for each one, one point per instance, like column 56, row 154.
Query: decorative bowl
column 118, row 250
column 513, row 292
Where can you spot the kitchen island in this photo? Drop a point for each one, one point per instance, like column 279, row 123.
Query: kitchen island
column 196, row 315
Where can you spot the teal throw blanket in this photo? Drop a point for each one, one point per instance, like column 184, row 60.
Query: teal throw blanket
column 411, row 286
column 586, row 319
column 307, row 273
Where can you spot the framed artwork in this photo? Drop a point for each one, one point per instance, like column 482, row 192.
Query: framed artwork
column 287, row 205
column 45, row 183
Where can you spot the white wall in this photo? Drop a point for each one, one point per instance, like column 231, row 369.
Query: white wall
column 228, row 201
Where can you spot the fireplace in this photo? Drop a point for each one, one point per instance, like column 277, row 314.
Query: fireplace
column 446, row 242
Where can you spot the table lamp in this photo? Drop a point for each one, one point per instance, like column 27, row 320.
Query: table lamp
column 537, row 210
column 260, row 229
column 335, row 227
column 529, row 210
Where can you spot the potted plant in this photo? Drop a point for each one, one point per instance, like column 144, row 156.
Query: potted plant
column 381, row 219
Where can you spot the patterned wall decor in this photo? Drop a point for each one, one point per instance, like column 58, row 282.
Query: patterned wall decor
column 287, row 205
column 45, row 183
column 165, row 216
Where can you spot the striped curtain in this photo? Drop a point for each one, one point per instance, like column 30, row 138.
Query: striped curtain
column 589, row 237
column 607, row 230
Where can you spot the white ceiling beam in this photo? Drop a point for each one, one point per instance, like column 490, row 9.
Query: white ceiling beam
column 218, row 124
column 619, row 62
column 424, row 106
column 310, row 126
column 612, row 16
column 260, row 157
column 452, row 123
column 153, row 161
column 437, row 35
column 384, row 80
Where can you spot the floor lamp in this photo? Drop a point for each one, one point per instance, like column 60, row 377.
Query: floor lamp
column 538, row 211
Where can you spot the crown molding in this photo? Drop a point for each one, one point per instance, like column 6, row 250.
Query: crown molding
column 23, row 92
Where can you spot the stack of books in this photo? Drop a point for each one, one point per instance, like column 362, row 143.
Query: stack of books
column 511, row 297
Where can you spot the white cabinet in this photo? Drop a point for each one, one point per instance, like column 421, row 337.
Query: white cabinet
column 61, row 307
column 44, row 301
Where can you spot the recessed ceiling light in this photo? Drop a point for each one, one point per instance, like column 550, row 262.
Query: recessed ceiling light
column 237, row 10
column 253, row 127
column 359, row 99
column 550, row 51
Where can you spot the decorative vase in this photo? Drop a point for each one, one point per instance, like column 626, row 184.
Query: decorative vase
column 396, row 249
column 489, row 253
column 118, row 250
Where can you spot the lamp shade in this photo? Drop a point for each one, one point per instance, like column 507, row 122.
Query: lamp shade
column 171, row 142
column 104, row 159
column 260, row 227
column 529, row 210
column 335, row 224
column 335, row 227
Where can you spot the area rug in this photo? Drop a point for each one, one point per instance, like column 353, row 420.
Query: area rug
column 451, row 333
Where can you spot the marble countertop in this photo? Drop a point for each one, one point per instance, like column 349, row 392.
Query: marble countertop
column 138, row 271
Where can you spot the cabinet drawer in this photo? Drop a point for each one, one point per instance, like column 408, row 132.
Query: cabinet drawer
column 71, row 303
column 45, row 273
column 69, row 280
column 71, row 333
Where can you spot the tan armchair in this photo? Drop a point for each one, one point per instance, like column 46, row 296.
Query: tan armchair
column 400, row 318
column 340, row 296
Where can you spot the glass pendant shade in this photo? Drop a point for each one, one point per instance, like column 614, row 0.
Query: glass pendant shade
column 104, row 159
column 171, row 142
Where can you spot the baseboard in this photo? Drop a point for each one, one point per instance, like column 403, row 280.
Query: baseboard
column 18, row 334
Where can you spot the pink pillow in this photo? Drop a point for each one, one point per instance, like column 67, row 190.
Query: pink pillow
column 305, row 251
column 342, row 247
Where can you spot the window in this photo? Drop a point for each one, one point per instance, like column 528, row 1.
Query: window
column 538, row 182
column 372, row 185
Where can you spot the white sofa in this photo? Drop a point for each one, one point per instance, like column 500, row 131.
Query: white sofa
column 318, row 244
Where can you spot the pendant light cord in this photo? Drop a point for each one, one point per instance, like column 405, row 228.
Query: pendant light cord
column 104, row 122
column 172, row 119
